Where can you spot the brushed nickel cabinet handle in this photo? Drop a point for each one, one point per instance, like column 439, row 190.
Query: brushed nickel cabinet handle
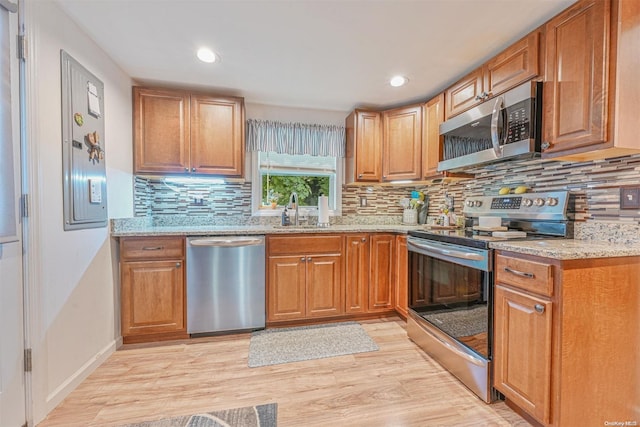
column 539, row 308
column 519, row 273
column 152, row 248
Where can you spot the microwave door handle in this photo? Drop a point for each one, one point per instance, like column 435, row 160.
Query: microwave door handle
column 448, row 252
column 495, row 137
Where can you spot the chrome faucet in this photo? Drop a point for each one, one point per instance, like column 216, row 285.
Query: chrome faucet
column 293, row 204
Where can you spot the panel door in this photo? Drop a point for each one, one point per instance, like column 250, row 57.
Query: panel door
column 368, row 146
column 357, row 273
column 402, row 144
column 523, row 350
column 464, row 94
column 576, row 89
column 324, row 285
column 515, row 65
column 160, row 131
column 381, row 273
column 217, row 135
column 152, row 297
column 286, row 292
column 402, row 276
column 432, row 142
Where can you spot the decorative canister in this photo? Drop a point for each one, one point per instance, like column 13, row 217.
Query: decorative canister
column 410, row 216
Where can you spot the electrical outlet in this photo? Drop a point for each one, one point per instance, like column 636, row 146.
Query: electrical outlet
column 363, row 201
column 198, row 201
column 630, row 197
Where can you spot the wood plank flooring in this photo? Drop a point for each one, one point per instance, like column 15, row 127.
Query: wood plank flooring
column 399, row 385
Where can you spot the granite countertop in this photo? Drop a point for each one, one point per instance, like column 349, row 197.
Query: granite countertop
column 569, row 248
column 245, row 230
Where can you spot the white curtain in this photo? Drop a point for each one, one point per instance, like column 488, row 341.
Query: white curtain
column 295, row 138
column 8, row 223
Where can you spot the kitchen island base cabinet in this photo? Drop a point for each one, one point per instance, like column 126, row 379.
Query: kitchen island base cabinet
column 152, row 289
column 566, row 340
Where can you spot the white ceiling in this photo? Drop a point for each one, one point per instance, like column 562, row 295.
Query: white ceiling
column 322, row 54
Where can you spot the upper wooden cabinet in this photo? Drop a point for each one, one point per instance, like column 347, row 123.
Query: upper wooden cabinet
column 591, row 92
column 364, row 146
column 384, row 146
column 180, row 132
column 431, row 140
column 516, row 64
column 402, row 143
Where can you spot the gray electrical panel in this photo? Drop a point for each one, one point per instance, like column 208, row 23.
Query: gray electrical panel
column 83, row 147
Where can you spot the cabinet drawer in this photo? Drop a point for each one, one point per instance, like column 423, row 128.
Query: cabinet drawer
column 529, row 275
column 279, row 245
column 132, row 248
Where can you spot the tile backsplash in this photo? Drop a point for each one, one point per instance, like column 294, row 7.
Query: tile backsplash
column 594, row 188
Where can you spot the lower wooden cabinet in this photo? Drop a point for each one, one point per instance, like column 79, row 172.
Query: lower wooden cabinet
column 304, row 277
column 381, row 276
column 523, row 350
column 356, row 259
column 402, row 276
column 152, row 303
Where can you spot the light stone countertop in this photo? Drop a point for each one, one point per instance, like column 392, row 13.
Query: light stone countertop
column 569, row 248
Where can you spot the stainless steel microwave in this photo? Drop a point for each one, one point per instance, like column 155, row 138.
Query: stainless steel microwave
column 505, row 127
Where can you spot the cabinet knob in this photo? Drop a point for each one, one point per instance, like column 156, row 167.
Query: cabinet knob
column 545, row 146
column 364, row 239
column 178, row 265
column 193, row 169
column 186, row 169
column 539, row 308
column 309, row 259
column 359, row 175
column 303, row 259
column 478, row 98
column 384, row 176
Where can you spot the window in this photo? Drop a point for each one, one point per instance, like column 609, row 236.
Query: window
column 276, row 175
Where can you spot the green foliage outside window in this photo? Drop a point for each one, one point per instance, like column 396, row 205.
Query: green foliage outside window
column 307, row 187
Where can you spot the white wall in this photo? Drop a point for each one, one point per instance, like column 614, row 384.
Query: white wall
column 294, row 115
column 71, row 279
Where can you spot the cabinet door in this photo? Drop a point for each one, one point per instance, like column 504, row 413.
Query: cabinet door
column 286, row 288
column 381, row 273
column 160, row 131
column 515, row 65
column 402, row 276
column 152, row 297
column 357, row 273
column 523, row 350
column 368, row 146
column 432, row 142
column 217, row 135
column 402, row 143
column 576, row 89
column 464, row 94
column 324, row 285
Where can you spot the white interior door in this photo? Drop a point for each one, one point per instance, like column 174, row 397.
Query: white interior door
column 12, row 377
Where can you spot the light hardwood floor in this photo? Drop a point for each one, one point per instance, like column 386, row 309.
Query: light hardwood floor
column 398, row 385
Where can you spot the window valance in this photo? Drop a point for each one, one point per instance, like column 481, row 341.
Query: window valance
column 295, row 138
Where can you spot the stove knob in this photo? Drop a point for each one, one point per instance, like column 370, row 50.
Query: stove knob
column 470, row 203
column 538, row 202
column 527, row 202
column 552, row 201
column 478, row 203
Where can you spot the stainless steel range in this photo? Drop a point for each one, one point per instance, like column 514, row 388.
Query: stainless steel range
column 451, row 280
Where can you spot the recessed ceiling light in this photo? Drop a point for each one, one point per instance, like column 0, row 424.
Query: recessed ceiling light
column 398, row 81
column 206, row 55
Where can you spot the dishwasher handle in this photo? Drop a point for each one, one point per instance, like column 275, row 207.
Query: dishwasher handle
column 227, row 242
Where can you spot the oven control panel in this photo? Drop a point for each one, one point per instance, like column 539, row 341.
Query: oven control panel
column 551, row 205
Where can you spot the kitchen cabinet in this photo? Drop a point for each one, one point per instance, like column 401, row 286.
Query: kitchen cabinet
column 431, row 140
column 591, row 94
column 363, row 146
column 402, row 276
column 560, row 325
column 402, row 143
column 356, row 273
column 516, row 64
column 381, row 272
column 384, row 146
column 304, row 277
column 152, row 303
column 181, row 132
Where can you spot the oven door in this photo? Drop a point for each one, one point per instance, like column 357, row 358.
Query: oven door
column 450, row 315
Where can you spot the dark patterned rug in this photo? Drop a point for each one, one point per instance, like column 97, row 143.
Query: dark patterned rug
column 250, row 416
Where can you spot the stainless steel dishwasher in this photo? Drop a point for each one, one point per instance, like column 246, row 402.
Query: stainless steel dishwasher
column 225, row 284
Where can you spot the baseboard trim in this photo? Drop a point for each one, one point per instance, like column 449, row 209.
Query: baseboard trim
column 63, row 390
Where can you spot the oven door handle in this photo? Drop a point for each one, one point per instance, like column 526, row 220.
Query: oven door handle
column 447, row 252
